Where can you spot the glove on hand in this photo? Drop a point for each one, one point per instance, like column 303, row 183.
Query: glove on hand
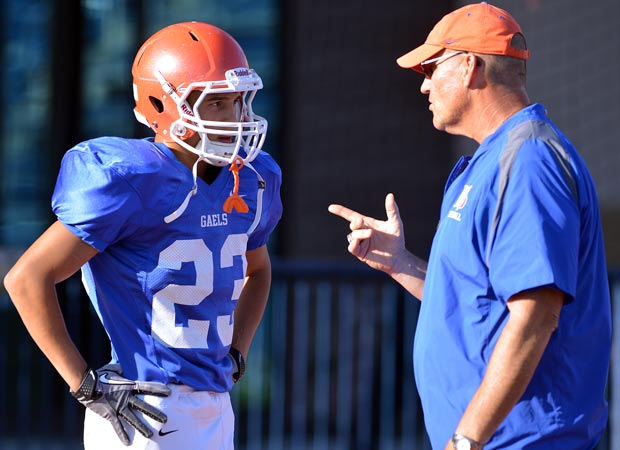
column 238, row 364
column 111, row 396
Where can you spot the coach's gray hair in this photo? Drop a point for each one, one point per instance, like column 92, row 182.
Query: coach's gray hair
column 506, row 70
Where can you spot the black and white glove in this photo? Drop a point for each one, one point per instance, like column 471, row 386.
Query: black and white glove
column 238, row 363
column 111, row 396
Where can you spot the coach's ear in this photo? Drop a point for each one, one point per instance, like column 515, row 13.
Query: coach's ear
column 472, row 71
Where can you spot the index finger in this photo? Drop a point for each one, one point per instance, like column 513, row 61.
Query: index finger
column 344, row 212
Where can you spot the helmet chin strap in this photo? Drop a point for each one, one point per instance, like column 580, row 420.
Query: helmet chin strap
column 183, row 206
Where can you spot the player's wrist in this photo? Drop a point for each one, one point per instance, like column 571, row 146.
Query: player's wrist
column 87, row 390
column 238, row 361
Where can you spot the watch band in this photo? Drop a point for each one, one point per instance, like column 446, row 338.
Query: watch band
column 462, row 442
column 238, row 357
column 86, row 391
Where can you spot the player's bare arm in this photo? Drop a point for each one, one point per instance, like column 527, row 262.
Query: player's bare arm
column 381, row 245
column 534, row 316
column 251, row 305
column 54, row 257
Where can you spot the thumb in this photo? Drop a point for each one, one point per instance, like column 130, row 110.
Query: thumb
column 391, row 208
column 119, row 429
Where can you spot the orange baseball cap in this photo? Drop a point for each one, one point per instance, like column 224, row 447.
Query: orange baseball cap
column 479, row 28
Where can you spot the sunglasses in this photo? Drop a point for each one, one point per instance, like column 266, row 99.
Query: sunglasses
column 428, row 67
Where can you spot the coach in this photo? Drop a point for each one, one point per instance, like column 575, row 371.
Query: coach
column 513, row 340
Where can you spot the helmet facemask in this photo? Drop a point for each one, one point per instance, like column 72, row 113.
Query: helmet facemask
column 248, row 132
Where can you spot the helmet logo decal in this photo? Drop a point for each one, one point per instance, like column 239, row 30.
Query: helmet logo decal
column 186, row 109
column 242, row 72
column 243, row 79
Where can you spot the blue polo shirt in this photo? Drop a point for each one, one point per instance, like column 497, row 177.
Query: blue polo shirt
column 521, row 213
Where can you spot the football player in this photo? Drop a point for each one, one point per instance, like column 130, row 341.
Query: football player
column 170, row 234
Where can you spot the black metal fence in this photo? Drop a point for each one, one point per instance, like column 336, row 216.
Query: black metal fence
column 329, row 368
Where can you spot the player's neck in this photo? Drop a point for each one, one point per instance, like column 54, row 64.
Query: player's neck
column 206, row 172
column 209, row 172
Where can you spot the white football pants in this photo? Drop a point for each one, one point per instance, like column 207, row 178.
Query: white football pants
column 196, row 420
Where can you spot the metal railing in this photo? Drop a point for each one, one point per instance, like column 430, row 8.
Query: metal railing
column 329, row 368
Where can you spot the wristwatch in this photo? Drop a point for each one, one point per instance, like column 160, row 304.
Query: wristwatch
column 238, row 358
column 460, row 442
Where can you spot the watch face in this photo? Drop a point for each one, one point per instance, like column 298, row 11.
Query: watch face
column 462, row 444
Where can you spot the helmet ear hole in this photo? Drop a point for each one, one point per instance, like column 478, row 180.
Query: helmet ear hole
column 157, row 104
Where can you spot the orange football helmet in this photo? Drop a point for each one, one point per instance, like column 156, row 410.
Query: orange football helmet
column 196, row 56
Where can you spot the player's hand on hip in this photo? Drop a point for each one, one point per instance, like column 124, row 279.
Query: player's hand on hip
column 238, row 364
column 109, row 394
column 375, row 242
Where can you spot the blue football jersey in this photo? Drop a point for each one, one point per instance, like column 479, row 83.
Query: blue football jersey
column 165, row 291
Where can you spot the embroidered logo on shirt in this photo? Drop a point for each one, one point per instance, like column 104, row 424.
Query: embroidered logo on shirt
column 460, row 203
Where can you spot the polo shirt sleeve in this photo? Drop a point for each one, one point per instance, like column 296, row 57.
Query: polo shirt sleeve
column 536, row 241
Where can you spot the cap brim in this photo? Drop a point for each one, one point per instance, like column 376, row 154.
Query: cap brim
column 415, row 57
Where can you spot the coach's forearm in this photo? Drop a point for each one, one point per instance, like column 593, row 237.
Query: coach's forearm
column 533, row 317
